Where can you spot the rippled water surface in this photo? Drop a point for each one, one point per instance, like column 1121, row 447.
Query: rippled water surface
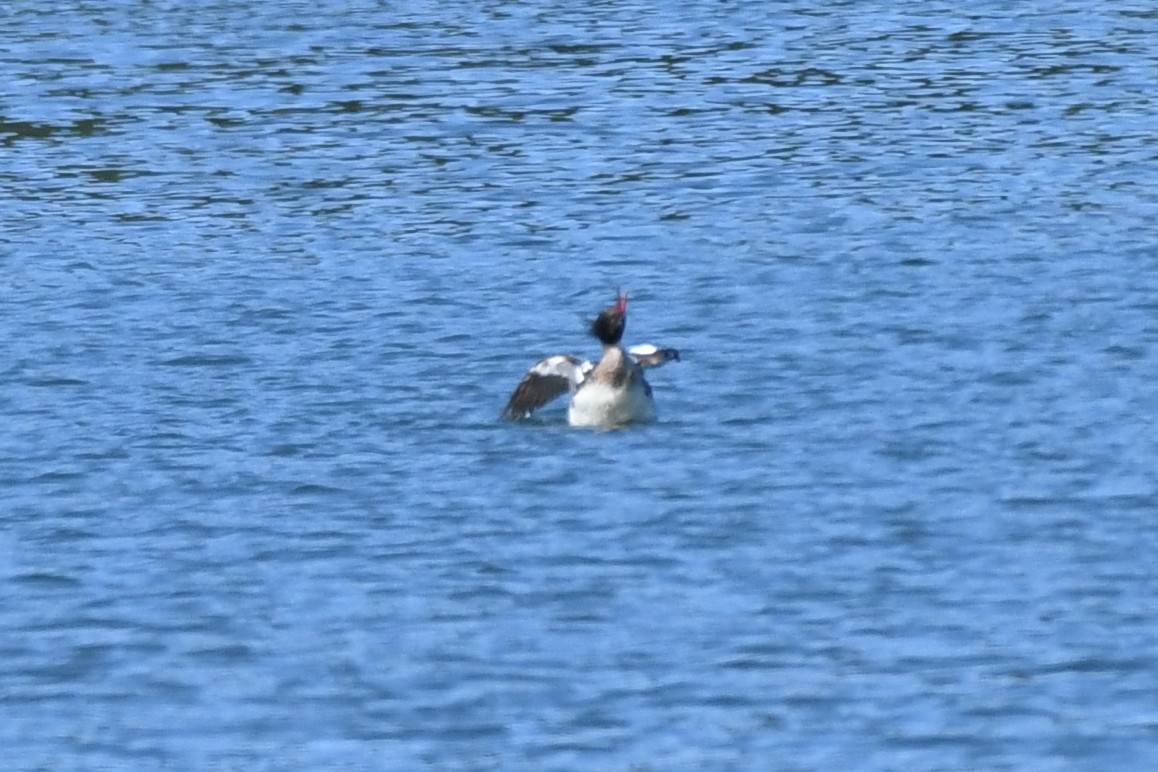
column 270, row 271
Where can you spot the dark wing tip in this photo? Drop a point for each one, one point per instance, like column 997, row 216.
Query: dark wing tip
column 532, row 393
column 653, row 356
column 547, row 379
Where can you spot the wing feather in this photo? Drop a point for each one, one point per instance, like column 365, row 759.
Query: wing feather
column 546, row 380
column 648, row 355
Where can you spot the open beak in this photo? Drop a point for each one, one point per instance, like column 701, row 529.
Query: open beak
column 621, row 301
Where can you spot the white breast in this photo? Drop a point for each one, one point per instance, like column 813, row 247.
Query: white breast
column 600, row 404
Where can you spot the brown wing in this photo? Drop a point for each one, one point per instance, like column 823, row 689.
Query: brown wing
column 547, row 379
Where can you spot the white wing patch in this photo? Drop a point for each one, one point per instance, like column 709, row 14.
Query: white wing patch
column 572, row 368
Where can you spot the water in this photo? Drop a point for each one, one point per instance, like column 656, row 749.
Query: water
column 271, row 270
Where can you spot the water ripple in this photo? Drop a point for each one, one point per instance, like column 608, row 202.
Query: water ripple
column 270, row 280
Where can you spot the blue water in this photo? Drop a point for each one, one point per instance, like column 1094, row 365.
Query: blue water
column 271, row 269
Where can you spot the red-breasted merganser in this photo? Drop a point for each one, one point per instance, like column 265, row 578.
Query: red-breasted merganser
column 610, row 393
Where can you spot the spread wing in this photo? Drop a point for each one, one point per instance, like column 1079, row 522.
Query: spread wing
column 648, row 355
column 547, row 379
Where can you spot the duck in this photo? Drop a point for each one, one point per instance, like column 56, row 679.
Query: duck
column 609, row 393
